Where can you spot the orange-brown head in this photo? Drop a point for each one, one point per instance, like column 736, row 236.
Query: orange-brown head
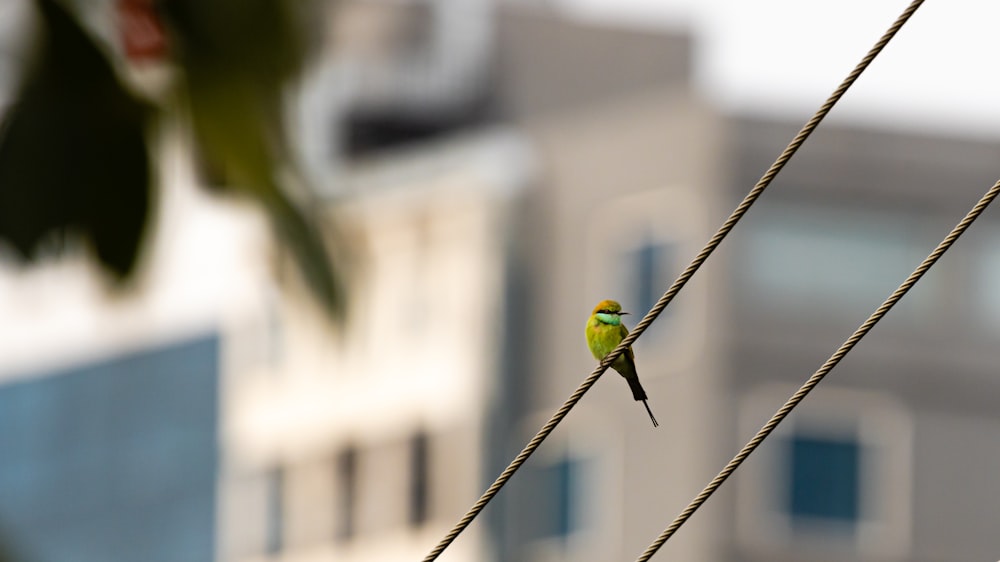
column 608, row 307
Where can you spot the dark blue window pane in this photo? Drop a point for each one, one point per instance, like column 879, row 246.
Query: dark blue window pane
column 563, row 476
column 825, row 477
column 114, row 460
column 651, row 266
column 646, row 276
column 557, row 501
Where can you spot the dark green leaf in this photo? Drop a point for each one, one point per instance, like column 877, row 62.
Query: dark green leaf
column 73, row 152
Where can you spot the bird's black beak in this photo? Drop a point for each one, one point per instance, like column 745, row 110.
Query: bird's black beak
column 623, row 313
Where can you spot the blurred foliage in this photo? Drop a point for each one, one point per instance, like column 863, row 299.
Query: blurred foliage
column 73, row 152
column 237, row 57
column 74, row 157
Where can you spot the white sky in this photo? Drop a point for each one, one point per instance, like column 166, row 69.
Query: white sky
column 786, row 56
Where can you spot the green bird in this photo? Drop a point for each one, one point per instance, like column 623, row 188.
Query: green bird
column 604, row 332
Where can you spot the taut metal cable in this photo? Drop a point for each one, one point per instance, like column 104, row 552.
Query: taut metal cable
column 828, row 366
column 676, row 287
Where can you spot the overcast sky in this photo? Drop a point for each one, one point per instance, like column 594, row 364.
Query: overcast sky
column 785, row 56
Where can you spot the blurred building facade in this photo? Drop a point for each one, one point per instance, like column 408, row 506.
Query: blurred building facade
column 897, row 436
column 506, row 169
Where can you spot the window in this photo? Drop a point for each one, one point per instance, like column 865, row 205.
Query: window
column 574, row 495
column 419, row 478
column 824, row 478
column 836, row 476
column 987, row 285
column 347, row 490
column 651, row 270
column 800, row 256
column 558, row 500
column 275, row 510
column 563, row 477
column 646, row 270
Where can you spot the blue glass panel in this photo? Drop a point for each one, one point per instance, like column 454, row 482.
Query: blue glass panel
column 562, row 474
column 115, row 460
column 557, row 501
column 825, row 478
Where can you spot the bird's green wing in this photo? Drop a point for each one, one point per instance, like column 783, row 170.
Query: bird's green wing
column 628, row 352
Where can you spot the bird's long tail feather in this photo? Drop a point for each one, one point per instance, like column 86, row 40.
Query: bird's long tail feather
column 638, row 393
column 651, row 417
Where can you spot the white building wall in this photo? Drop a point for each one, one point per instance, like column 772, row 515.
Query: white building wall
column 419, row 355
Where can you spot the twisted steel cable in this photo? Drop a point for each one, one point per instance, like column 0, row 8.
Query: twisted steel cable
column 676, row 287
column 828, row 366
